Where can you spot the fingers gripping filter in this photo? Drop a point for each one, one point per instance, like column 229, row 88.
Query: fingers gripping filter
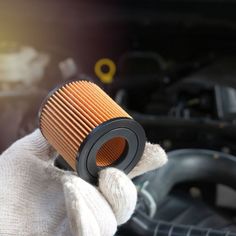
column 89, row 130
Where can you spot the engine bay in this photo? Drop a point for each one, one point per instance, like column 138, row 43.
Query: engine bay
column 175, row 74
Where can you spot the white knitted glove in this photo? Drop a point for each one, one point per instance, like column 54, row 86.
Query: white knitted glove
column 37, row 198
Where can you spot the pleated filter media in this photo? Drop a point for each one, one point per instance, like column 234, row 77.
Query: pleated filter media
column 90, row 130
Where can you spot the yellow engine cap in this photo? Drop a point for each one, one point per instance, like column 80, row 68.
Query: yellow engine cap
column 105, row 77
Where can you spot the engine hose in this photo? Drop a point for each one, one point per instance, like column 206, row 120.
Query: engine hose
column 187, row 165
column 184, row 165
column 140, row 225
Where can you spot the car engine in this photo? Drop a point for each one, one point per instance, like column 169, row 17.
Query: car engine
column 175, row 72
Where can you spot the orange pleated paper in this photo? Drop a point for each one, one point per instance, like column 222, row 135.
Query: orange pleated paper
column 72, row 112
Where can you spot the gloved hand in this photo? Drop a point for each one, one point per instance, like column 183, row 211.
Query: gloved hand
column 37, row 198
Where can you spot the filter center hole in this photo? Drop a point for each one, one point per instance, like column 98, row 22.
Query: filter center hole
column 111, row 151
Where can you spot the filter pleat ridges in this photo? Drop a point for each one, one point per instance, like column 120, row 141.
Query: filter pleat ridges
column 72, row 112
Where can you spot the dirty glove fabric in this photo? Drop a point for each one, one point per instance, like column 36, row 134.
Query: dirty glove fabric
column 37, row 198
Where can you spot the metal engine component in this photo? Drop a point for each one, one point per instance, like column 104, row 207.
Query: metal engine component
column 22, row 65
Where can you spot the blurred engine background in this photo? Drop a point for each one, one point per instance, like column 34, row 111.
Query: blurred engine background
column 175, row 72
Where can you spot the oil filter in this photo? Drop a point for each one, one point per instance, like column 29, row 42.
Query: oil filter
column 90, row 130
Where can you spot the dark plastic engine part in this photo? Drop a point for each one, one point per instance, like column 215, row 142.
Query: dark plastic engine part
column 225, row 102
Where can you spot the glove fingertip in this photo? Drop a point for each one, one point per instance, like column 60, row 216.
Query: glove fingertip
column 153, row 157
column 156, row 154
column 83, row 202
column 120, row 192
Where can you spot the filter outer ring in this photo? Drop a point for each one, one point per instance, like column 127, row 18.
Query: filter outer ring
column 118, row 127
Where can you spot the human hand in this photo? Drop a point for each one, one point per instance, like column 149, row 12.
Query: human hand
column 37, row 198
